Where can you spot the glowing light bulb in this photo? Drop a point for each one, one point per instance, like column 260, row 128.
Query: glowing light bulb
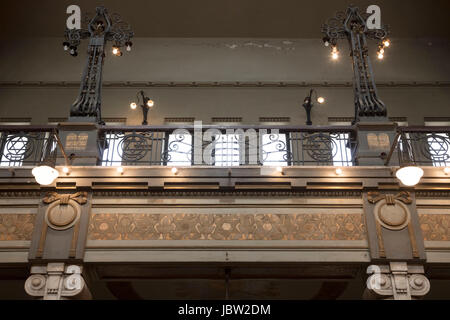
column 115, row 51
column 386, row 43
column 447, row 170
column 150, row 103
column 380, row 56
column 45, row 175
column 410, row 175
column 320, row 100
column 381, row 50
column 334, row 55
column 128, row 44
column 133, row 105
column 339, row 172
column 65, row 170
column 280, row 169
column 174, row 170
column 120, row 170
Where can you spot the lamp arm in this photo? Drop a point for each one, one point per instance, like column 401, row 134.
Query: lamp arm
column 391, row 151
column 66, row 159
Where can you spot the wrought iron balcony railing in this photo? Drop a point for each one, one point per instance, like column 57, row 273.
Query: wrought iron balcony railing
column 26, row 145
column 227, row 146
column 430, row 146
column 221, row 146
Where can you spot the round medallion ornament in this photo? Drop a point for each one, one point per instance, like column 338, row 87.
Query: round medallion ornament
column 394, row 216
column 62, row 216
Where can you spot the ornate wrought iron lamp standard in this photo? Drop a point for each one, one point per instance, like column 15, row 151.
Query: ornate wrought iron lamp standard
column 146, row 105
column 308, row 105
column 102, row 28
column 352, row 26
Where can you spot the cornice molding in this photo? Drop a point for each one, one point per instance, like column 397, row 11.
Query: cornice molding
column 218, row 84
column 186, row 193
column 20, row 194
column 432, row 194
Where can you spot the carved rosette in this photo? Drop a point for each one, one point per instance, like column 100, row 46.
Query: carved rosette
column 57, row 281
column 397, row 281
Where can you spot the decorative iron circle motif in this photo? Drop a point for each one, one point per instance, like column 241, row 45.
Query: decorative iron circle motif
column 436, row 147
column 320, row 147
column 133, row 147
column 18, row 147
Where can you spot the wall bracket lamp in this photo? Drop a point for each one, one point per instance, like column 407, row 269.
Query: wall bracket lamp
column 146, row 104
column 308, row 105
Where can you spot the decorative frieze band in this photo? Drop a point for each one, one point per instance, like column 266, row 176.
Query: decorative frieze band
column 14, row 227
column 111, row 226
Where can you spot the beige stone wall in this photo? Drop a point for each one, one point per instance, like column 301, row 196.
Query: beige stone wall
column 413, row 79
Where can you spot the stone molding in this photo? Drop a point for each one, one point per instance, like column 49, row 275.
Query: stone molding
column 334, row 193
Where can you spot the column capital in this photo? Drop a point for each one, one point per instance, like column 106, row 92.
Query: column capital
column 57, row 281
column 396, row 281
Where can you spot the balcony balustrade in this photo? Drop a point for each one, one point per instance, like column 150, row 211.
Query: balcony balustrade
column 224, row 146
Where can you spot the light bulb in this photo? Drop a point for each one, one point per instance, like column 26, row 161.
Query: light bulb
column 133, row 105
column 447, row 170
column 120, row 170
column 339, row 172
column 410, row 175
column 280, row 169
column 128, row 44
column 380, row 56
column 45, row 175
column 66, row 46
column 174, row 170
column 150, row 103
column 65, row 170
column 381, row 50
column 320, row 100
column 386, row 43
column 334, row 55
column 115, row 51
